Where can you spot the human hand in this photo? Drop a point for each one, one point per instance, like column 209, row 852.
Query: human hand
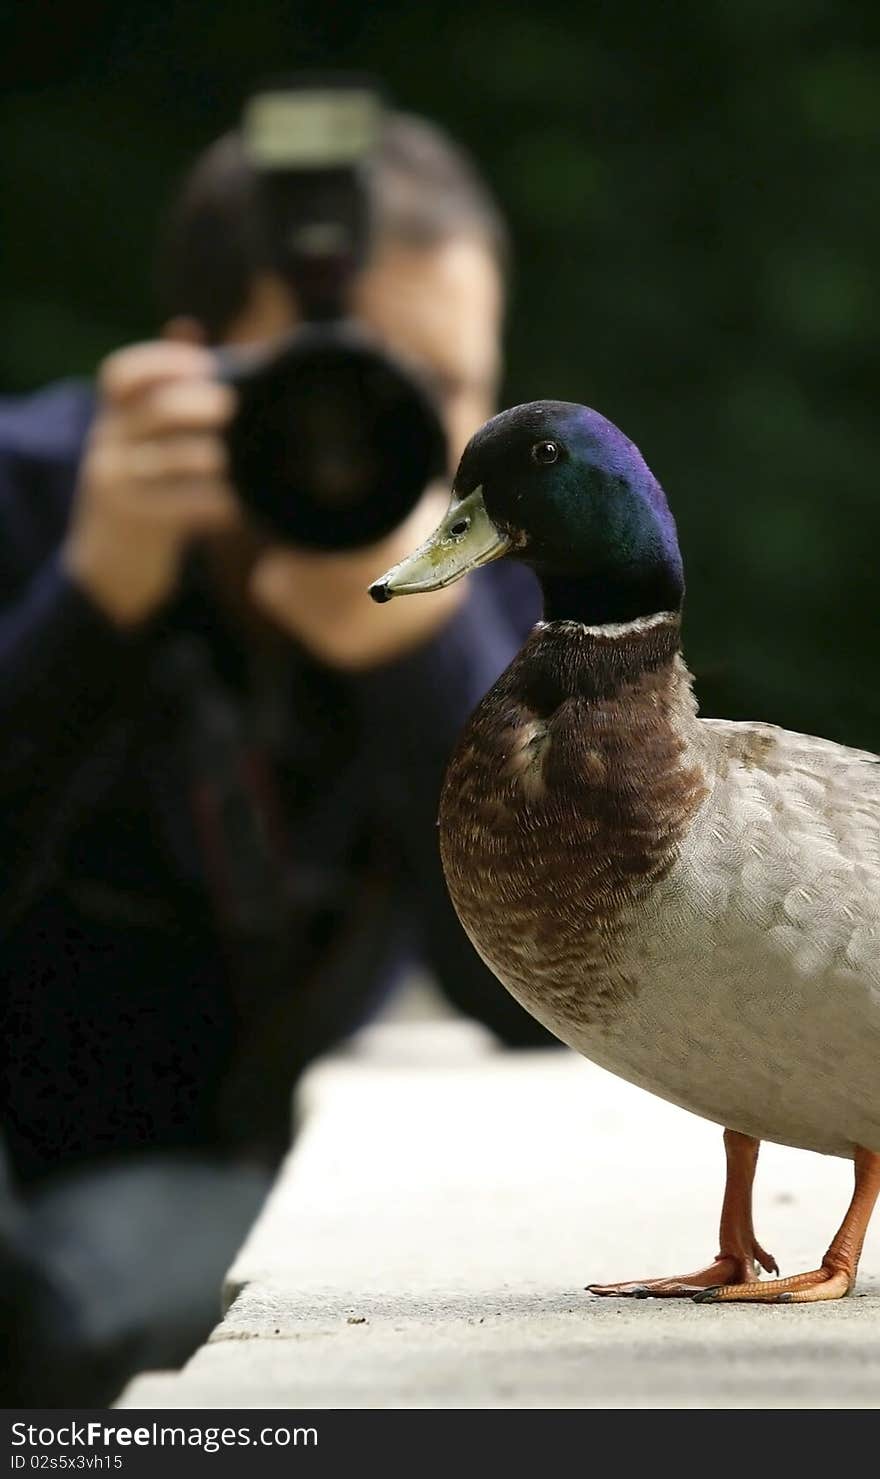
column 152, row 478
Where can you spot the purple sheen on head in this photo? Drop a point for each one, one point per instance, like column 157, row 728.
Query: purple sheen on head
column 607, row 447
column 586, row 431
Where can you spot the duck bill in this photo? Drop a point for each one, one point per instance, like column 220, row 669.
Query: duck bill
column 465, row 539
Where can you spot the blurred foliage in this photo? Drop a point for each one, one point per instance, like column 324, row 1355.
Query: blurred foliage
column 693, row 195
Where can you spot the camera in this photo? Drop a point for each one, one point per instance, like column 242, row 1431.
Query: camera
column 334, row 439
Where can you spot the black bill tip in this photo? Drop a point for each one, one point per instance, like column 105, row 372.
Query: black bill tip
column 380, row 592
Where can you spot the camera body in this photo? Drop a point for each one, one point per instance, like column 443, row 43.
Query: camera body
column 334, row 439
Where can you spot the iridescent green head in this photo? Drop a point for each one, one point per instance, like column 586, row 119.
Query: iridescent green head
column 556, row 485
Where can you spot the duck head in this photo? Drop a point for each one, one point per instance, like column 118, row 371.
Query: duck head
column 559, row 487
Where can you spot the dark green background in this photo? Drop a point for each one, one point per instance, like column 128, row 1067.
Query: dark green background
column 695, row 201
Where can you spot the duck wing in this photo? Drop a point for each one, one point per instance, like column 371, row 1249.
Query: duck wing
column 792, row 836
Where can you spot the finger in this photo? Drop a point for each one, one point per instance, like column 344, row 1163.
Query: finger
column 190, row 507
column 172, row 459
column 170, row 408
column 131, row 371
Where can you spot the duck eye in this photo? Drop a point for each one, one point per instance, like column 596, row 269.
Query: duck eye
column 544, row 453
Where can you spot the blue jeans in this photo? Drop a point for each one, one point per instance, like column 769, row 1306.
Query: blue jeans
column 113, row 1269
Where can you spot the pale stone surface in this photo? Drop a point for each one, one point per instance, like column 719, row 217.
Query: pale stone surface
column 429, row 1238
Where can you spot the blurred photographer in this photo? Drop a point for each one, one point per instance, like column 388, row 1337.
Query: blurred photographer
column 220, row 765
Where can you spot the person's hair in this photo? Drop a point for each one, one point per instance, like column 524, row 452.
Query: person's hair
column 425, row 191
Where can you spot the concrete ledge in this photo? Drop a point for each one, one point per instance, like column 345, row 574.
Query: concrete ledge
column 429, row 1238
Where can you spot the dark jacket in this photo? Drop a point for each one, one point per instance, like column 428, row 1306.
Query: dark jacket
column 150, row 995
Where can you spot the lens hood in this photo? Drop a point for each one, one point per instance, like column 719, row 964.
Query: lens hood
column 334, row 439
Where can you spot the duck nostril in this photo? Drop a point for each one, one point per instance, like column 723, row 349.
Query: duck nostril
column 460, row 527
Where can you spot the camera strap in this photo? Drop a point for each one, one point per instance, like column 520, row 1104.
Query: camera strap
column 291, row 993
column 245, row 851
column 236, row 812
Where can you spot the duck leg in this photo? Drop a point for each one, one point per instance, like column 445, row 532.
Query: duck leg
column 837, row 1274
column 739, row 1252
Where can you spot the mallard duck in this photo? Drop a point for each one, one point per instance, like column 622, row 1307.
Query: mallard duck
column 691, row 903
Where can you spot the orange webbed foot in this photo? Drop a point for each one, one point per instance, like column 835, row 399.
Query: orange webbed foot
column 811, row 1288
column 727, row 1271
column 837, row 1274
column 734, row 1276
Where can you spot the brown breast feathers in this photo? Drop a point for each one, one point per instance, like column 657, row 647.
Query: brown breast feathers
column 565, row 803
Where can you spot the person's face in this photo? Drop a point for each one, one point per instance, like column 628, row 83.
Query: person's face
column 439, row 307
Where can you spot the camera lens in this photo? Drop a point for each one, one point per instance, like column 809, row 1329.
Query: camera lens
column 334, row 441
